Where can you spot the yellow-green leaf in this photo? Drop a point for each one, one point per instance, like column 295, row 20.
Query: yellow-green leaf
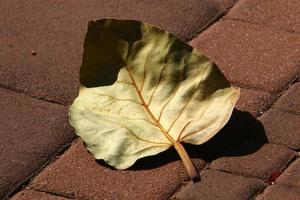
column 143, row 91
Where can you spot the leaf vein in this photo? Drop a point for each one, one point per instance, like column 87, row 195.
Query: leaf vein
column 110, row 96
column 132, row 132
column 144, row 74
column 135, row 135
column 183, row 130
column 180, row 113
column 159, row 79
column 172, row 95
column 124, row 82
column 138, row 118
column 166, row 134
column 197, row 131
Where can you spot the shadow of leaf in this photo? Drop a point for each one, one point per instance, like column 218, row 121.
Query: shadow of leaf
column 241, row 127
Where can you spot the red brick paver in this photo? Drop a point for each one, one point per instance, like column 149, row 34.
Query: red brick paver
column 280, row 14
column 279, row 192
column 290, row 101
column 227, row 4
column 77, row 174
column 254, row 101
column 55, row 30
column 259, row 163
column 252, row 56
column 256, row 45
column 216, row 185
column 282, row 127
column 34, row 195
column 291, row 176
column 31, row 132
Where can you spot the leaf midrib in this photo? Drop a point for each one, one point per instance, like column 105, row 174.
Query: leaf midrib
column 166, row 134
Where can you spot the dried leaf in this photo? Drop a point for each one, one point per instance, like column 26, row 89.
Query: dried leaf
column 143, row 91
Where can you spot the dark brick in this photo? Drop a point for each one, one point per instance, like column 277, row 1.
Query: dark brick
column 282, row 128
column 254, row 101
column 77, row 174
column 215, row 185
column 55, row 31
column 252, row 56
column 251, row 158
column 31, row 132
column 281, row 14
column 224, row 3
column 279, row 192
column 34, row 195
column 291, row 176
column 241, row 125
column 290, row 100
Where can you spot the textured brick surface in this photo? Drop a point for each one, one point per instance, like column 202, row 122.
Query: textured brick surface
column 290, row 100
column 279, row 192
column 216, row 185
column 78, row 175
column 261, row 162
column 282, row 128
column 31, row 131
column 252, row 56
column 254, row 101
column 55, row 30
column 257, row 46
column 281, row 14
column 291, row 176
column 34, row 195
column 224, row 3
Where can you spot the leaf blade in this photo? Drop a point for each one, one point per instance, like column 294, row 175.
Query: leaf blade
column 164, row 93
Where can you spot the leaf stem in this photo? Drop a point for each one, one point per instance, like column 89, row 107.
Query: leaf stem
column 188, row 164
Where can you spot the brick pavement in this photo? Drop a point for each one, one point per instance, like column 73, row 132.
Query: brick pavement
column 56, row 31
column 31, row 132
column 255, row 43
column 220, row 185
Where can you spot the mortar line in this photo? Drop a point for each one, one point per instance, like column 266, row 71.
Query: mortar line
column 178, row 188
column 20, row 92
column 287, row 111
column 26, row 181
column 287, row 87
column 206, row 26
column 258, row 193
column 294, row 159
column 55, row 194
column 242, row 175
column 215, row 19
column 261, row 25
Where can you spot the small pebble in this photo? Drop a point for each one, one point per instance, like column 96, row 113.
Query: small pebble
column 33, row 53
